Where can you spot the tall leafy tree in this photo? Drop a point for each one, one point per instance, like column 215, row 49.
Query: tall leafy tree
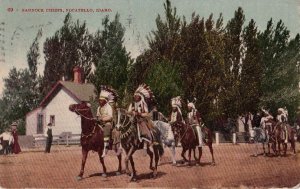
column 69, row 47
column 111, row 59
column 251, row 70
column 230, row 100
column 17, row 97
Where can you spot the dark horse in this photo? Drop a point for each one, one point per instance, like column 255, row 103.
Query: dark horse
column 130, row 143
column 280, row 137
column 91, row 137
column 186, row 135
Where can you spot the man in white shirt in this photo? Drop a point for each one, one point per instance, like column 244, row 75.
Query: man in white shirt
column 7, row 140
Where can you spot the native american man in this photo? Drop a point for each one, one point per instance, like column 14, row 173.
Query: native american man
column 105, row 114
column 140, row 109
column 194, row 120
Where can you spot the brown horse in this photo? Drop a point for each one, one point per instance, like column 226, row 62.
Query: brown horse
column 186, row 135
column 91, row 137
column 280, row 137
column 131, row 143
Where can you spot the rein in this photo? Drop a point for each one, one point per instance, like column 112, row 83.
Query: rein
column 77, row 111
column 184, row 133
column 91, row 119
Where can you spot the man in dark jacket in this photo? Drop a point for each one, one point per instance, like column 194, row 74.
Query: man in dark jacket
column 48, row 133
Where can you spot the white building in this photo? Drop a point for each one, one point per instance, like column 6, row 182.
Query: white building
column 54, row 108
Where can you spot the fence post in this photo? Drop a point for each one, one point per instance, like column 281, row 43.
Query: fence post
column 234, row 138
column 67, row 135
column 217, row 138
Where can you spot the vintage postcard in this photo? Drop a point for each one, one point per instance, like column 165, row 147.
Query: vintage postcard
column 154, row 94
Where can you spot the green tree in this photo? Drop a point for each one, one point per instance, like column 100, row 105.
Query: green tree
column 165, row 82
column 69, row 47
column 110, row 56
column 251, row 70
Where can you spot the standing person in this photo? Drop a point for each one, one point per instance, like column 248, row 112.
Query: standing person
column 105, row 114
column 16, row 146
column 48, row 134
column 7, row 140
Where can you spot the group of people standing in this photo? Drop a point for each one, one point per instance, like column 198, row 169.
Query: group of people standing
column 9, row 140
column 143, row 109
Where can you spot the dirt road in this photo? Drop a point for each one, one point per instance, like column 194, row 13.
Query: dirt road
column 234, row 167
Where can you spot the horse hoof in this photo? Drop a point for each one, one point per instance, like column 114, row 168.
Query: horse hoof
column 104, row 175
column 174, row 164
column 151, row 168
column 133, row 179
column 78, row 178
column 213, row 164
column 118, row 173
column 197, row 164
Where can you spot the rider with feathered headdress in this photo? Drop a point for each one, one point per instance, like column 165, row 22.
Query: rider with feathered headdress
column 194, row 120
column 107, row 96
column 140, row 109
column 282, row 118
column 176, row 115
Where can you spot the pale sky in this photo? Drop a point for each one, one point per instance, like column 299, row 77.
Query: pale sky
column 18, row 29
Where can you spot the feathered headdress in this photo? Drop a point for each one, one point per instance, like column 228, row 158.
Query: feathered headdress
column 192, row 104
column 144, row 91
column 108, row 93
column 176, row 102
column 146, row 95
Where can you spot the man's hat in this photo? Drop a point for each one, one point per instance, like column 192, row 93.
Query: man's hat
column 14, row 124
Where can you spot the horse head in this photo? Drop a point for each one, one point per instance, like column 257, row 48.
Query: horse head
column 82, row 109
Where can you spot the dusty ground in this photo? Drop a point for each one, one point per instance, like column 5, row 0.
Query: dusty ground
column 234, row 167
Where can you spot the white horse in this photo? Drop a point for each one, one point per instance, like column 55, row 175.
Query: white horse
column 167, row 137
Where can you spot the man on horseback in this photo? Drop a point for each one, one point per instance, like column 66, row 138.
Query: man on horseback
column 194, row 120
column 282, row 118
column 140, row 109
column 176, row 115
column 105, row 114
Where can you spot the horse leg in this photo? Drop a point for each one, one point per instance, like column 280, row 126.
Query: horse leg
column 156, row 156
column 103, row 165
column 279, row 150
column 128, row 155
column 190, row 155
column 150, row 153
column 213, row 163
column 84, row 156
column 120, row 165
column 183, row 154
column 274, row 147
column 264, row 148
column 133, row 177
column 269, row 151
column 200, row 155
column 173, row 152
column 293, row 145
column 284, row 148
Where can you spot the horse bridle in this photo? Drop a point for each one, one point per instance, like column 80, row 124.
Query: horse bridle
column 77, row 111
